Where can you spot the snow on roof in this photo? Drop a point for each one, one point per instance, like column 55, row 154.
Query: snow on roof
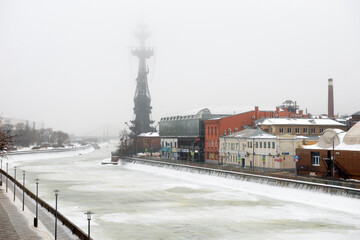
column 342, row 140
column 352, row 137
column 149, row 134
column 341, row 146
column 251, row 133
column 299, row 121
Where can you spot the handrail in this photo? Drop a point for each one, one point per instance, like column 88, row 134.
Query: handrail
column 65, row 221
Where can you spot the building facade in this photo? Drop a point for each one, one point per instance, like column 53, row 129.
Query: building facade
column 214, row 128
column 255, row 148
column 182, row 136
column 149, row 142
column 295, row 126
column 336, row 155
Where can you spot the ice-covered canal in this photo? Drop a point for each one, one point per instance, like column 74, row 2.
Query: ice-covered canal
column 141, row 202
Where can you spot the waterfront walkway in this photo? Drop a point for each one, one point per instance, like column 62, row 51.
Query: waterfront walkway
column 17, row 224
column 13, row 225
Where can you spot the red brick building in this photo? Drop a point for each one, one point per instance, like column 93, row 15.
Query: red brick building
column 149, row 142
column 234, row 123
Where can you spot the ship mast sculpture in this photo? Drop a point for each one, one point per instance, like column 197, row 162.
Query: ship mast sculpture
column 142, row 108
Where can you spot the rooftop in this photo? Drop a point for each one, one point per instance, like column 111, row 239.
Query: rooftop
column 251, row 133
column 342, row 140
column 299, row 121
column 149, row 134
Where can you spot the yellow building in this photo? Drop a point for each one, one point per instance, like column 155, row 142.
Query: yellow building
column 255, row 147
column 298, row 126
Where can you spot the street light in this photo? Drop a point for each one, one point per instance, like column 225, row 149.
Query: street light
column 333, row 158
column 14, row 182
column 37, row 201
column 253, row 147
column 88, row 213
column 23, row 205
column 7, row 175
column 56, row 196
column 1, row 174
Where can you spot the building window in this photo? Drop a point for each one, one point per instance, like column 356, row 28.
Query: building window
column 216, row 143
column 271, row 130
column 256, row 144
column 229, row 130
column 175, row 144
column 289, row 130
column 212, row 131
column 208, row 130
column 312, row 130
column 305, row 130
column 208, row 143
column 321, row 130
column 215, row 130
column 264, row 144
column 260, row 144
column 281, row 130
column 273, row 144
column 269, row 145
column 315, row 158
column 251, row 145
column 212, row 143
column 171, row 144
column 297, row 130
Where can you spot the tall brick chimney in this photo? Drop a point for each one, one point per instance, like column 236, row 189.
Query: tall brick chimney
column 330, row 99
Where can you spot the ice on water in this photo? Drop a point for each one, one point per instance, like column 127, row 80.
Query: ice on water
column 133, row 201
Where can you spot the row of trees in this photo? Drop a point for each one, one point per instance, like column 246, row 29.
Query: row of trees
column 25, row 136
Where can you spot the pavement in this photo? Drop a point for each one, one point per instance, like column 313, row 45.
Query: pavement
column 17, row 224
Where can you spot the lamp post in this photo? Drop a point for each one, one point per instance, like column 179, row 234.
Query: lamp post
column 37, row 201
column 56, row 196
column 1, row 173
column 253, row 160
column 88, row 213
column 238, row 156
column 333, row 156
column 14, row 181
column 23, row 202
column 7, row 174
column 333, row 159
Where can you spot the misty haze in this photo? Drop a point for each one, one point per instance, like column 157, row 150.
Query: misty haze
column 180, row 119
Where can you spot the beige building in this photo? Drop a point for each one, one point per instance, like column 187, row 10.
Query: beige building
column 296, row 126
column 255, row 147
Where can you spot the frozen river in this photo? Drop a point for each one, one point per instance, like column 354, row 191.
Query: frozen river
column 141, row 202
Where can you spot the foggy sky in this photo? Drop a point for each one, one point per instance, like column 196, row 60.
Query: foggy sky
column 68, row 63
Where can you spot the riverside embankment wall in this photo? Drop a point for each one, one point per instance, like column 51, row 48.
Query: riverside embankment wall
column 338, row 187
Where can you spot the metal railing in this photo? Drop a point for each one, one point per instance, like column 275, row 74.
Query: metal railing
column 65, row 221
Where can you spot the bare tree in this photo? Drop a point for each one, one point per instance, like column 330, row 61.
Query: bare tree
column 6, row 140
column 127, row 144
